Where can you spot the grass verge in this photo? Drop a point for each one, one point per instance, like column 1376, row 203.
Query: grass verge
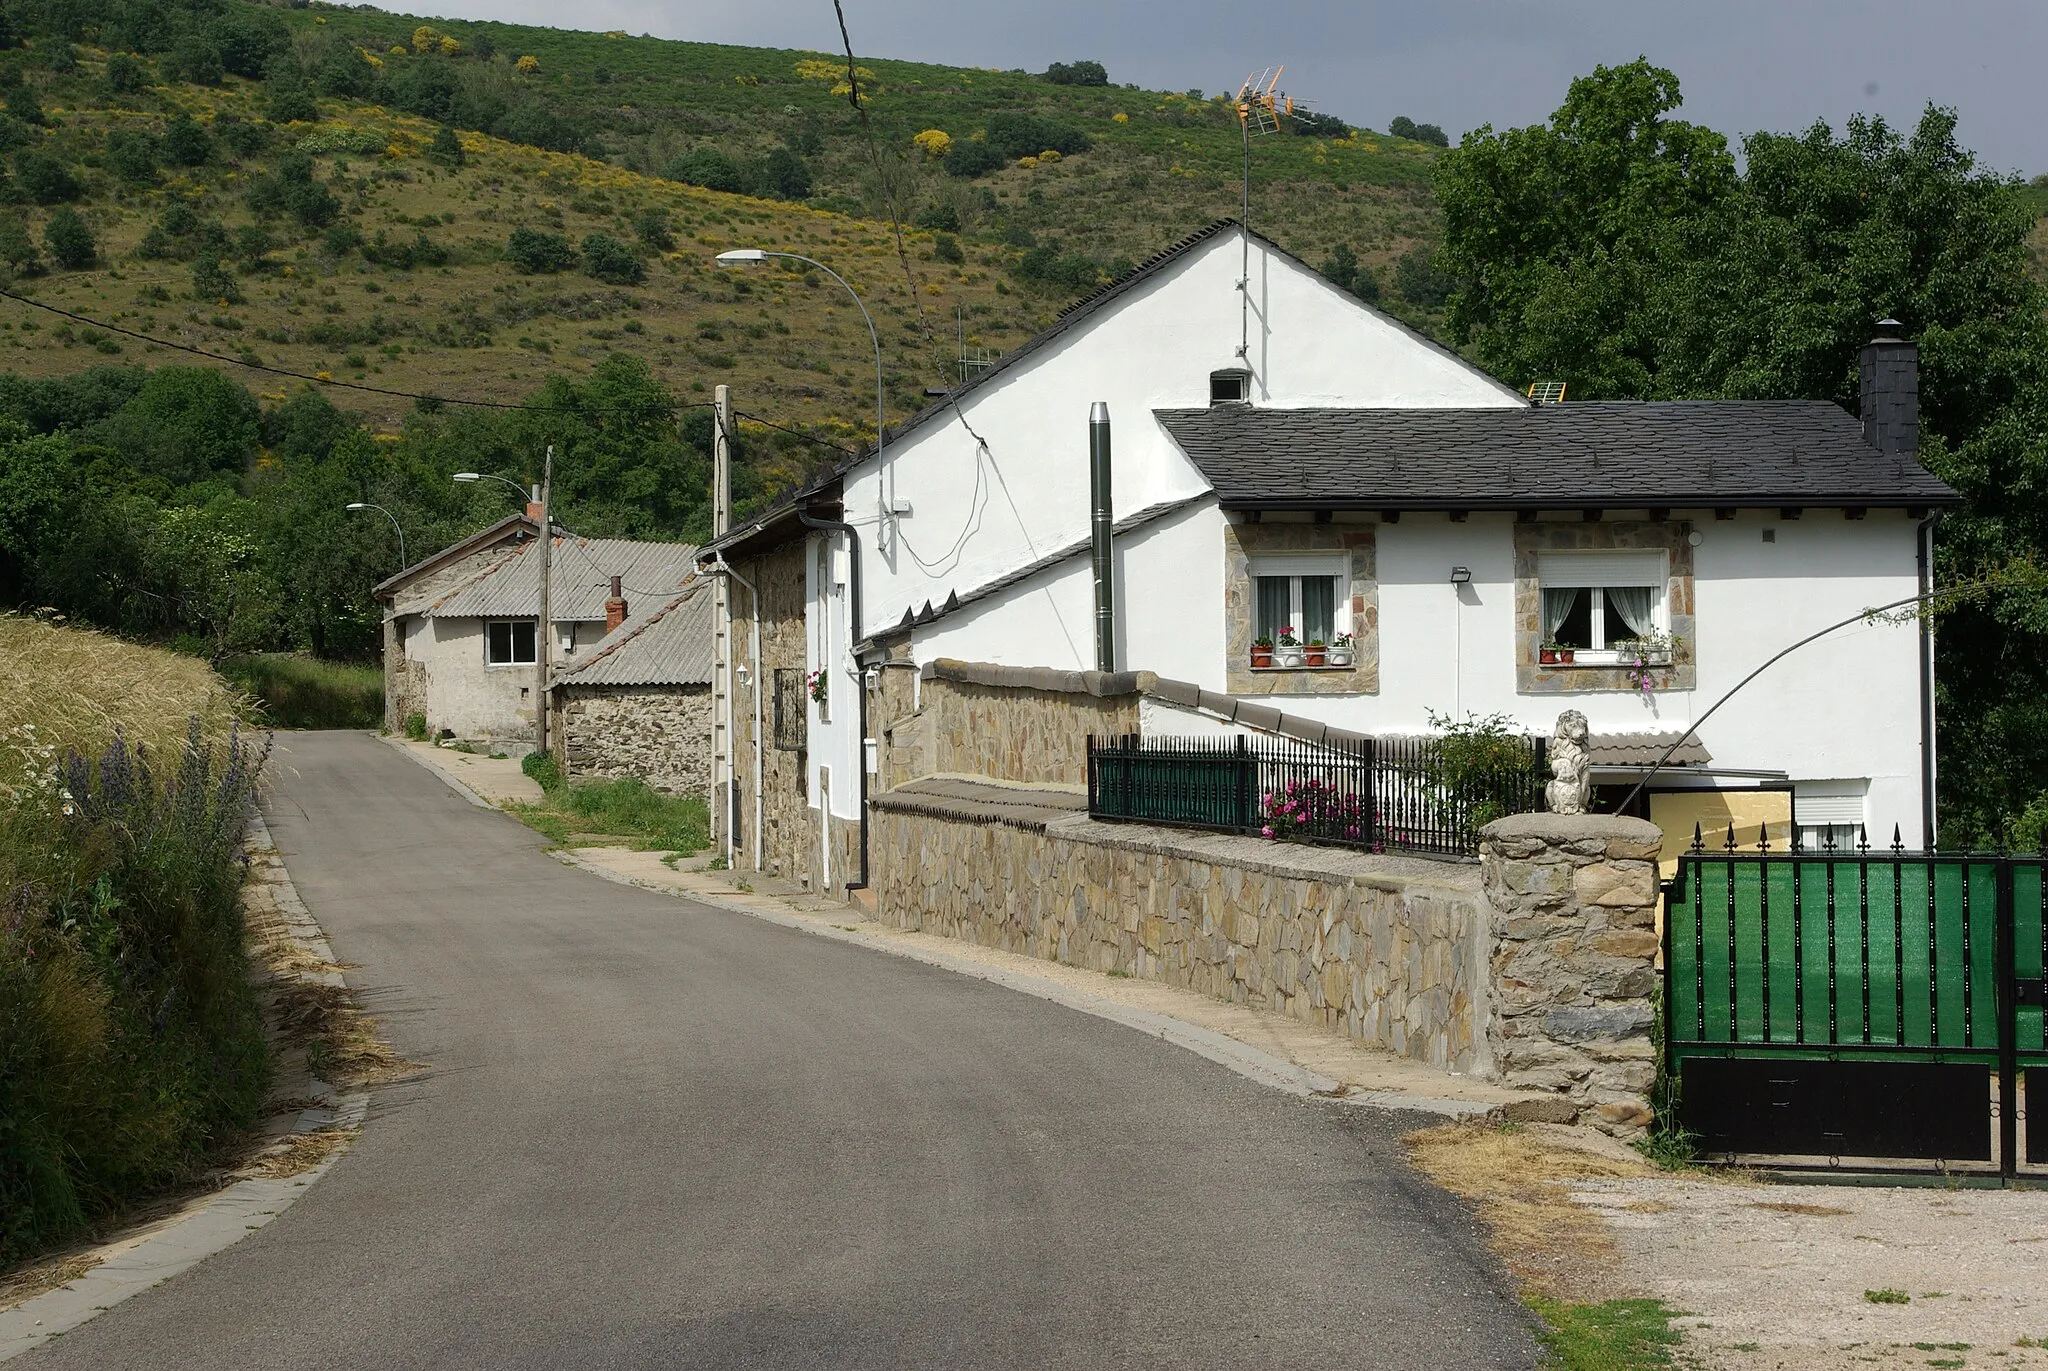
column 606, row 813
column 304, row 692
column 1560, row 1256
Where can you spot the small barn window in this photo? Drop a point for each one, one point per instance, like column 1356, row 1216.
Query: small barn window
column 792, row 724
column 1230, row 387
column 509, row 642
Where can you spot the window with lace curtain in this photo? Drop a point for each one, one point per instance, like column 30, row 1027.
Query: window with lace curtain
column 1602, row 603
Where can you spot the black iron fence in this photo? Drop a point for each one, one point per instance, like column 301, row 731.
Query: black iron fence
column 1414, row 794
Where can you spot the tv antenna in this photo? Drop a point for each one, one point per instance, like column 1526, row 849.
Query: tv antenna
column 1261, row 105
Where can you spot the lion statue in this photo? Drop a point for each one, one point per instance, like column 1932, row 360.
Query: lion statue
column 1568, row 793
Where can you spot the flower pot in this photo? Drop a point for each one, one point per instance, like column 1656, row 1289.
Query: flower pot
column 1290, row 658
column 1340, row 656
column 1565, row 654
column 1262, row 657
column 1547, row 655
column 1317, row 655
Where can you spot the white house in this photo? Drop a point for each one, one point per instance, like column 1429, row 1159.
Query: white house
column 460, row 626
column 1285, row 456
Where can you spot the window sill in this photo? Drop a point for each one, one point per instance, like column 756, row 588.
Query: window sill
column 1289, row 670
column 1605, row 661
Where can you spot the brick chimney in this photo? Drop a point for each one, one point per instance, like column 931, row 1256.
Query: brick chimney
column 1891, row 391
column 533, row 512
column 614, row 608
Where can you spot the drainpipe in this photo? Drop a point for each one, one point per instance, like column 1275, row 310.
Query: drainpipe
column 860, row 686
column 1925, row 548
column 724, row 568
column 1102, row 527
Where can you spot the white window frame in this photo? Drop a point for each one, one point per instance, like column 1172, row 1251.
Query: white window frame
column 512, row 643
column 1297, row 567
column 1585, row 571
column 1821, row 807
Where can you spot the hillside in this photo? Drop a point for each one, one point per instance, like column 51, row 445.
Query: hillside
column 305, row 216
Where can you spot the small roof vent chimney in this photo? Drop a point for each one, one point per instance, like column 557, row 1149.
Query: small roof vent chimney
column 615, row 608
column 1889, row 371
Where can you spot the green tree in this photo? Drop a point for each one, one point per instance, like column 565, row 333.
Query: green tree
column 17, row 249
column 185, row 143
column 43, row 178
column 70, row 242
column 125, row 74
column 537, row 253
column 213, row 281
column 652, row 227
column 706, row 167
column 611, row 261
column 132, row 155
column 186, row 424
column 446, row 149
column 23, row 105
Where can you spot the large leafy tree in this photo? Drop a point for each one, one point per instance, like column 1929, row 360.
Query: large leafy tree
column 1618, row 248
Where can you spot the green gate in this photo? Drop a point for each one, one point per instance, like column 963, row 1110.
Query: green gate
column 1863, row 1008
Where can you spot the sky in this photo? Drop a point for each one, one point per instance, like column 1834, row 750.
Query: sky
column 1743, row 64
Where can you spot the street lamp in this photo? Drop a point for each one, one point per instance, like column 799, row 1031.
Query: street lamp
column 741, row 257
column 525, row 495
column 362, row 504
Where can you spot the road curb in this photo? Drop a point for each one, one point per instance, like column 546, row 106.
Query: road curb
column 231, row 1215
column 1250, row 1062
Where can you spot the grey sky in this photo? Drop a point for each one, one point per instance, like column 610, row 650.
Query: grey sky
column 1744, row 64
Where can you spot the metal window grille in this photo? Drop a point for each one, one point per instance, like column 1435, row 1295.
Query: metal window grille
column 791, row 720
column 1377, row 794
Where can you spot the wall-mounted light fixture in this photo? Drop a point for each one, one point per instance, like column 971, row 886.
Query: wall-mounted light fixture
column 1460, row 575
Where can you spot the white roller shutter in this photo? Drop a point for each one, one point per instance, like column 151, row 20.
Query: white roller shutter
column 1565, row 570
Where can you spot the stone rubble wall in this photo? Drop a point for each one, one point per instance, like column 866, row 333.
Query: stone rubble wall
column 1027, row 725
column 659, row 734
column 1574, row 959
column 1390, row 951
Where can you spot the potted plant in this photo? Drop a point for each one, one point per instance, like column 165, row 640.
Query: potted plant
column 1341, row 650
column 1318, row 652
column 1287, row 653
column 1262, row 652
column 1554, row 653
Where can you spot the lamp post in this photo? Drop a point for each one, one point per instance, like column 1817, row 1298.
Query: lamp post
column 543, row 629
column 740, row 257
column 364, row 504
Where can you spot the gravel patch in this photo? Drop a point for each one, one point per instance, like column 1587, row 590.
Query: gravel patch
column 1774, row 1276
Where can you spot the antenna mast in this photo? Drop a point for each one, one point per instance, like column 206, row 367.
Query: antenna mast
column 1260, row 107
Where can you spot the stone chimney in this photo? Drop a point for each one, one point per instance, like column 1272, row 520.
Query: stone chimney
column 614, row 608
column 1891, row 391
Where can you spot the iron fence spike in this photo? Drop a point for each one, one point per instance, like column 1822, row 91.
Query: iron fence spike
column 1898, row 840
column 1863, row 837
column 1730, row 844
column 1763, row 837
column 1698, row 843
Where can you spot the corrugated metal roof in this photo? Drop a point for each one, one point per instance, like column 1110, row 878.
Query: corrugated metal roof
column 1643, row 749
column 669, row 646
column 579, row 580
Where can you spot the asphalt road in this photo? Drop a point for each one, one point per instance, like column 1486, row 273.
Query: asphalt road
column 657, row 1134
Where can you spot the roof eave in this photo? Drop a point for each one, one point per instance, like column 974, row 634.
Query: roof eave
column 1631, row 500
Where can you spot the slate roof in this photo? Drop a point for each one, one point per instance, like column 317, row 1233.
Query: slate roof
column 668, row 645
column 1689, row 453
column 580, row 573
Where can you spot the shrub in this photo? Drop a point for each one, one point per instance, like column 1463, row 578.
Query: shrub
column 340, row 239
column 946, row 248
column 304, row 692
column 43, row 178
column 611, row 261
column 537, row 253
column 652, row 227
column 540, row 767
column 291, row 189
column 1404, row 127
column 291, row 103
column 709, row 168
column 672, row 823
column 1419, row 281
column 941, row 217
column 446, row 149
column 1018, row 134
column 786, row 176
column 935, row 142
column 537, row 126
column 212, row 281
column 131, row 155
column 416, row 726
column 70, row 242
column 1077, row 74
column 973, row 157
column 197, row 60
column 242, row 137
column 1046, row 267
column 17, row 249
column 124, row 74
column 185, row 143
column 22, row 105
column 528, row 66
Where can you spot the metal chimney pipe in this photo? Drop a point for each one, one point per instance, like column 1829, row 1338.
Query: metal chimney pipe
column 1102, row 523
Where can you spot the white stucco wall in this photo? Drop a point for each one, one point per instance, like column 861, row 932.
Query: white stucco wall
column 978, row 517
column 834, row 731
column 467, row 695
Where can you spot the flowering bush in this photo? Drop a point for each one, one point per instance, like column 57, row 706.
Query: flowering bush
column 935, row 142
column 527, row 65
column 1301, row 810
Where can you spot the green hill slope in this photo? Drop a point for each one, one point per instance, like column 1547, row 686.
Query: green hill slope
column 285, row 162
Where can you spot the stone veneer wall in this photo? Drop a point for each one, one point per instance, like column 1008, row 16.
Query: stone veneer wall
column 1391, row 951
column 660, row 734
column 1531, row 540
column 1360, row 544
column 1574, row 901
column 1028, row 725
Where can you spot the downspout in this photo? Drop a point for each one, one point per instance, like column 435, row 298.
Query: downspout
column 1925, row 550
column 860, row 687
column 1102, row 528
column 724, row 568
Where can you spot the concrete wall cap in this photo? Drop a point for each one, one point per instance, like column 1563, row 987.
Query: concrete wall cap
column 1102, row 684
column 1566, row 828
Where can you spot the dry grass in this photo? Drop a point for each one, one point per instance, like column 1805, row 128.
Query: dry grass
column 25, row 1282
column 1521, row 1185
column 63, row 687
column 298, row 1153
column 341, row 1042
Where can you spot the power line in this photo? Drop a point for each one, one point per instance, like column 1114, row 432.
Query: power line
column 319, row 380
column 794, row 432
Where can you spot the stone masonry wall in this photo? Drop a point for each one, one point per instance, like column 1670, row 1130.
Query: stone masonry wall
column 1392, row 951
column 1028, row 725
column 1574, row 910
column 661, row 734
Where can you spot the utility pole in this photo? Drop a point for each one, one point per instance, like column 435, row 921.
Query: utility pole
column 722, row 766
column 544, row 630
